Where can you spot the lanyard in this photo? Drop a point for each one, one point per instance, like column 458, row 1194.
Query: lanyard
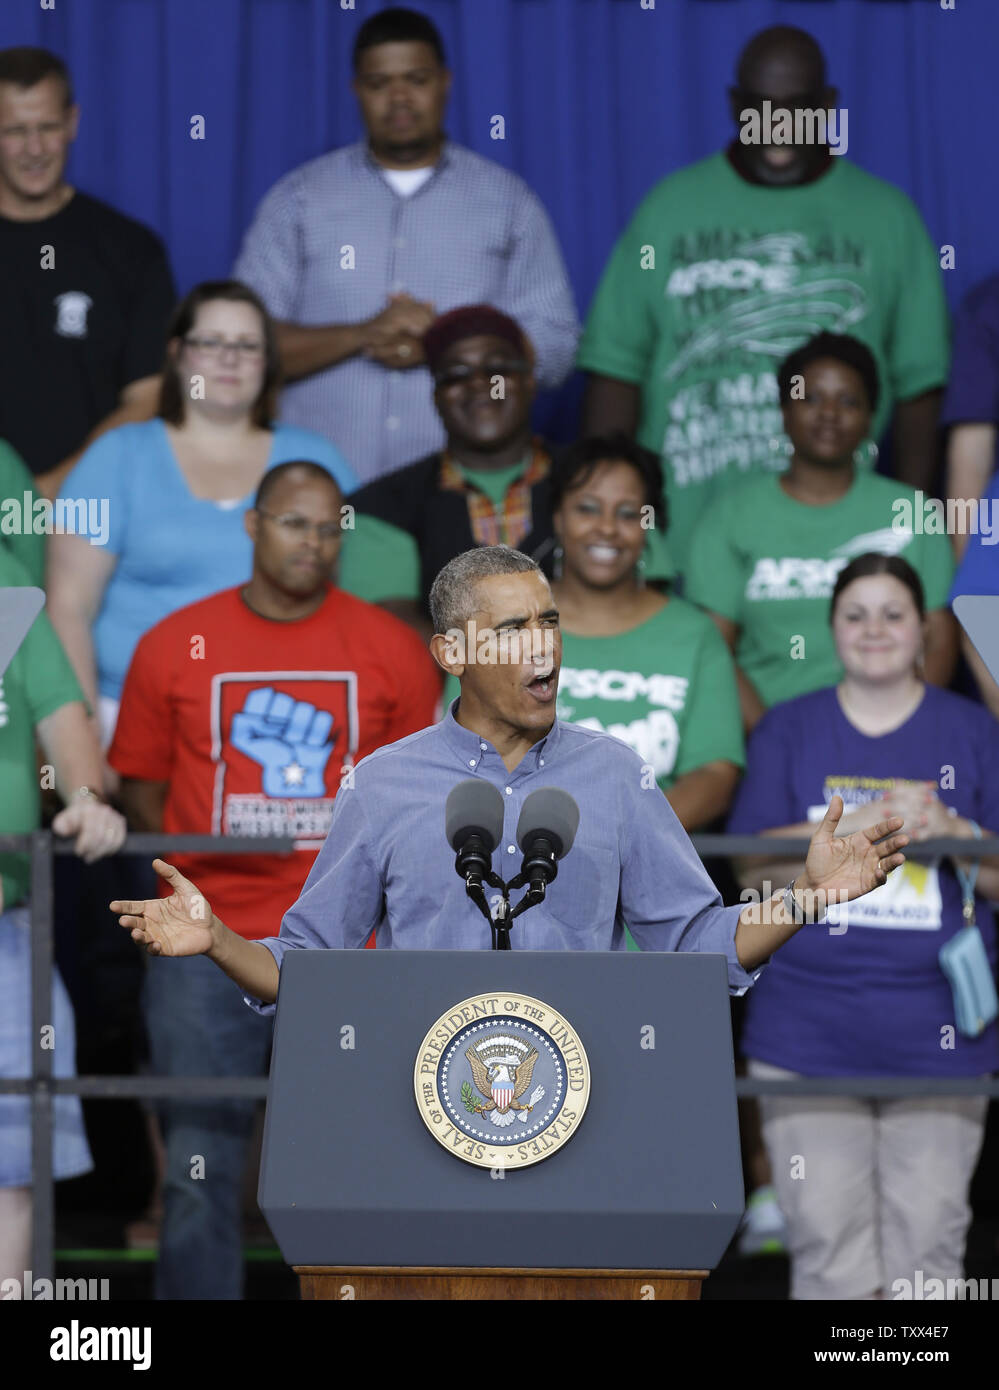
column 967, row 879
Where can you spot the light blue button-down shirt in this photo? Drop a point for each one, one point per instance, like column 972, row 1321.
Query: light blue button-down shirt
column 332, row 240
column 386, row 863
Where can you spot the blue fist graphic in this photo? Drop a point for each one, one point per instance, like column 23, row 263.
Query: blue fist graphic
column 290, row 739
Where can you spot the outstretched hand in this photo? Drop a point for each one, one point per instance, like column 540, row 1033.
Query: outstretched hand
column 839, row 868
column 180, row 925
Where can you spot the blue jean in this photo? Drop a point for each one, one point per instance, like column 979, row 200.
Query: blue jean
column 70, row 1151
column 199, row 1026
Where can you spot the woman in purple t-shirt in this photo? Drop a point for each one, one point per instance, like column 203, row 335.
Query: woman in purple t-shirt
column 873, row 1191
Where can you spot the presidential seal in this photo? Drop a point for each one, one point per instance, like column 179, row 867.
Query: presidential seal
column 502, row 1080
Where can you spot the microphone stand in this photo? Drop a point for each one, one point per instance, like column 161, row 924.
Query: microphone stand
column 475, row 876
column 538, row 868
column 500, row 925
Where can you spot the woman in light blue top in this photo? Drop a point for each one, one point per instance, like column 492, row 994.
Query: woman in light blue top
column 164, row 500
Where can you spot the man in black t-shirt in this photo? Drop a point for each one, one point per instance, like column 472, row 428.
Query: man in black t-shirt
column 85, row 293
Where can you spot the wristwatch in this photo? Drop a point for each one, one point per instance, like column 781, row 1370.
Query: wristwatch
column 88, row 794
column 796, row 913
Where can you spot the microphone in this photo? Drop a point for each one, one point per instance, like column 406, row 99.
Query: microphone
column 545, row 832
column 473, row 822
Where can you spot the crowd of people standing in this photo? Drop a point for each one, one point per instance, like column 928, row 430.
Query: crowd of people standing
column 289, row 454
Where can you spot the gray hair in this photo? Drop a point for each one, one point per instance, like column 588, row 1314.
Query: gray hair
column 452, row 595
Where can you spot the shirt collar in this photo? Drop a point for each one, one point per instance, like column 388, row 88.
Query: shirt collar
column 469, row 746
column 535, row 465
column 733, row 153
column 444, row 159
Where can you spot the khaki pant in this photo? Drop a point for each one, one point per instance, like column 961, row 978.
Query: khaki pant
column 871, row 1190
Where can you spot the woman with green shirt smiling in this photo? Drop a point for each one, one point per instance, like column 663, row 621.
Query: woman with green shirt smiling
column 765, row 558
column 638, row 663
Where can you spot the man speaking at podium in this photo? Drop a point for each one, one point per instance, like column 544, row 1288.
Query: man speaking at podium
column 386, row 864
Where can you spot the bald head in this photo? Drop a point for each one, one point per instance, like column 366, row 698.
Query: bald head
column 781, row 62
column 785, row 67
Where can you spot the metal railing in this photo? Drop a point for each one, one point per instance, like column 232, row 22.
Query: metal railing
column 41, row 1086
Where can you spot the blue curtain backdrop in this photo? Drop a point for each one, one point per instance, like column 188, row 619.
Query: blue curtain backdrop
column 600, row 99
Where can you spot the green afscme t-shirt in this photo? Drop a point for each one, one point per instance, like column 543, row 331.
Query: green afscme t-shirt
column 667, row 688
column 769, row 564
column 38, row 681
column 715, row 280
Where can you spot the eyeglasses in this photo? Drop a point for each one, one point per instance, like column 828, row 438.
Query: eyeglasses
column 213, row 347
column 460, row 372
column 296, row 525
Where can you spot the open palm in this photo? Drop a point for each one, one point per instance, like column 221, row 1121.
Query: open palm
column 849, row 866
column 179, row 925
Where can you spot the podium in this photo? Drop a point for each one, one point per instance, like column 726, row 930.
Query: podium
column 633, row 1193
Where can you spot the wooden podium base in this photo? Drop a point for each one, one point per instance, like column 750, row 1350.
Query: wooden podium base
column 386, row 1282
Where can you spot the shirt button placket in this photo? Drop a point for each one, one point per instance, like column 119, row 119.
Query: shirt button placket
column 392, row 418
column 395, row 241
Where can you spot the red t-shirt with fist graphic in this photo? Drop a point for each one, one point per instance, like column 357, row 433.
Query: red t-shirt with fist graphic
column 255, row 724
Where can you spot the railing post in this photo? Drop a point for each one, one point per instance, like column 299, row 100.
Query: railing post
column 42, row 1053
